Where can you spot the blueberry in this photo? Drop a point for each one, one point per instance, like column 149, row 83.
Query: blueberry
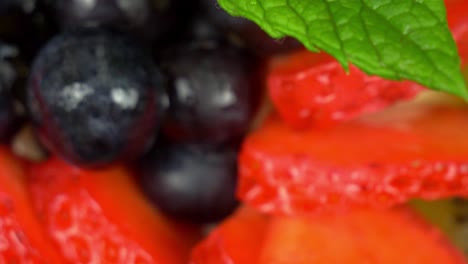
column 7, row 72
column 213, row 92
column 95, row 97
column 26, row 6
column 10, row 121
column 74, row 13
column 23, row 30
column 201, row 29
column 193, row 182
column 144, row 18
column 250, row 35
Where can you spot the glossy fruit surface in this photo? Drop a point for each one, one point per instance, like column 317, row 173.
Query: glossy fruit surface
column 23, row 238
column 76, row 13
column 213, row 93
column 312, row 90
column 145, row 19
column 238, row 239
column 202, row 29
column 101, row 216
column 95, row 97
column 388, row 236
column 413, row 150
column 191, row 182
column 458, row 23
column 396, row 235
column 7, row 71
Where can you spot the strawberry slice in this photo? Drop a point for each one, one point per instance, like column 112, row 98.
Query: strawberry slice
column 237, row 240
column 457, row 19
column 361, row 236
column 22, row 238
column 358, row 236
column 312, row 89
column 102, row 217
column 413, row 150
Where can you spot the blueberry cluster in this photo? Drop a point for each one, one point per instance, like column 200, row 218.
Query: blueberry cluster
column 168, row 85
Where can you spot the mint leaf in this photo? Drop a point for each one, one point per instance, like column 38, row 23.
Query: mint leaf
column 395, row 39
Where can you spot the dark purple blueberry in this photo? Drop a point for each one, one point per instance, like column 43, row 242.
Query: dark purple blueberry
column 213, row 92
column 191, row 182
column 9, row 118
column 24, row 24
column 26, row 6
column 246, row 32
column 144, row 18
column 7, row 72
column 201, row 29
column 95, row 97
column 10, row 121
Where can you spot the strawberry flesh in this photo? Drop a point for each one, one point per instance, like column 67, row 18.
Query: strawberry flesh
column 413, row 150
column 237, row 240
column 312, row 89
column 397, row 235
column 100, row 216
column 361, row 236
column 458, row 24
column 22, row 238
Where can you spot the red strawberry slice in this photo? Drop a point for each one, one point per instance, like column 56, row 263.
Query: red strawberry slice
column 457, row 19
column 101, row 217
column 361, row 236
column 238, row 240
column 312, row 89
column 413, row 150
column 355, row 237
column 22, row 238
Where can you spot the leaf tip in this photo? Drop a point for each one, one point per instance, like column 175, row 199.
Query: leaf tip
column 459, row 89
column 463, row 93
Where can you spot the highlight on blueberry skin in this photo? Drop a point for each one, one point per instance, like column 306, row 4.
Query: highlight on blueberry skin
column 191, row 182
column 213, row 92
column 85, row 13
column 95, row 97
column 147, row 20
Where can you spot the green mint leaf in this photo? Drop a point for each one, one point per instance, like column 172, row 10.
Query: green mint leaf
column 395, row 39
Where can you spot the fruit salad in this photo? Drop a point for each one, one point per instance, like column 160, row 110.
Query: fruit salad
column 171, row 132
